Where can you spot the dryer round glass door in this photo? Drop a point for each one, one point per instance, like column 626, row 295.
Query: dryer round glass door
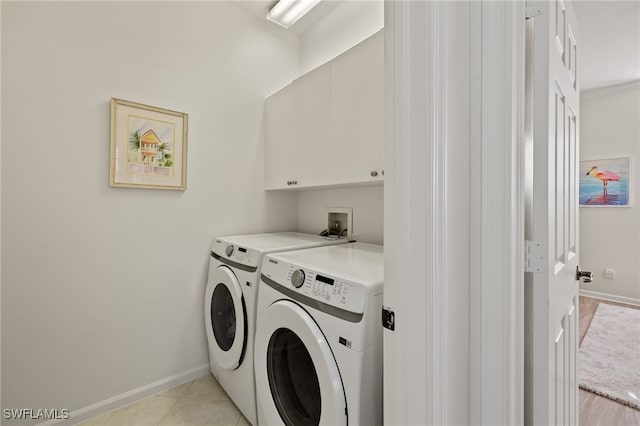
column 297, row 378
column 293, row 379
column 225, row 318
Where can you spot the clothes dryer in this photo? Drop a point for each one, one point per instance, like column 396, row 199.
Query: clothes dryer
column 318, row 344
column 230, row 307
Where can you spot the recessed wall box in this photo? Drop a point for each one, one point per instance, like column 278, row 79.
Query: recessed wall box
column 340, row 222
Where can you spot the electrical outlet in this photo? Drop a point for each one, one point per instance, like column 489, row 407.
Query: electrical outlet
column 610, row 273
column 340, row 221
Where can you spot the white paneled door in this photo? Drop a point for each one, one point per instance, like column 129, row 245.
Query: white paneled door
column 551, row 294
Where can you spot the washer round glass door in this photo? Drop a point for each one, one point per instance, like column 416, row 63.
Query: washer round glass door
column 225, row 318
column 297, row 378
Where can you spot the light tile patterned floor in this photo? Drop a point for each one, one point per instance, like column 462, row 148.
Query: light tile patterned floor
column 201, row 402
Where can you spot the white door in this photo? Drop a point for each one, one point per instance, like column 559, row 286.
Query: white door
column 551, row 293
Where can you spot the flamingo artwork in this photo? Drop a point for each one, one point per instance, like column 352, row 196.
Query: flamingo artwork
column 595, row 182
column 604, row 176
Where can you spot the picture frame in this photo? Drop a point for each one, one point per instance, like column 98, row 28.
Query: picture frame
column 605, row 182
column 148, row 147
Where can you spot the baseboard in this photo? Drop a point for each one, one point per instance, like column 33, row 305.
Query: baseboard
column 129, row 397
column 610, row 297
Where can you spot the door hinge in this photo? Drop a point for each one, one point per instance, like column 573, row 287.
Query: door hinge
column 534, row 256
column 531, row 10
column 388, row 318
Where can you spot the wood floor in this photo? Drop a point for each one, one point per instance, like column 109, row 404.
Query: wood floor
column 596, row 410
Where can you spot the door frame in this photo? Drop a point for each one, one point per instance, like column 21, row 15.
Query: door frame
column 454, row 238
column 415, row 212
column 498, row 203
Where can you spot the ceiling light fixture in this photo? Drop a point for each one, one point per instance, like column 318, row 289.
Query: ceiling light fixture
column 286, row 12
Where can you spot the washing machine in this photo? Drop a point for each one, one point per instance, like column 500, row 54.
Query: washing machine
column 318, row 343
column 230, row 307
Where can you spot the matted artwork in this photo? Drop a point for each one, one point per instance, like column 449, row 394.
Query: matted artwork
column 604, row 183
column 148, row 146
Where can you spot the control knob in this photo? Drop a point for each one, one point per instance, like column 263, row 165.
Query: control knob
column 229, row 250
column 297, row 278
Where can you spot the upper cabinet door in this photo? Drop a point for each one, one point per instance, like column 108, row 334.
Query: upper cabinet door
column 312, row 117
column 280, row 139
column 357, row 111
column 327, row 127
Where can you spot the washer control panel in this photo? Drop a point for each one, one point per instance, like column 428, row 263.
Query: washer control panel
column 235, row 253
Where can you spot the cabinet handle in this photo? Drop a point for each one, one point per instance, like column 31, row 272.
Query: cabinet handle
column 374, row 173
column 295, row 182
column 288, row 182
column 382, row 172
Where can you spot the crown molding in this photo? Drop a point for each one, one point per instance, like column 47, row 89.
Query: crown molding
column 614, row 89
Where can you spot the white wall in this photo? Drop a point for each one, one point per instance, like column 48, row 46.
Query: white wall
column 610, row 237
column 103, row 287
column 345, row 26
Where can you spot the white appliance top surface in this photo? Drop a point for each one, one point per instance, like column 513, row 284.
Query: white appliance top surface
column 357, row 262
column 280, row 241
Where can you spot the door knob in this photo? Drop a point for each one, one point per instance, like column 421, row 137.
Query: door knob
column 584, row 276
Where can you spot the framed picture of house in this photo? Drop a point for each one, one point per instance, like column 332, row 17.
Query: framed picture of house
column 148, row 147
column 604, row 183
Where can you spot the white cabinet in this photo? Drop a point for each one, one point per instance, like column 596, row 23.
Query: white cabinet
column 327, row 127
column 280, row 136
column 298, row 129
column 357, row 111
column 312, row 116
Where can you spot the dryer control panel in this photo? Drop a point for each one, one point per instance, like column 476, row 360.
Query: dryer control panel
column 325, row 288
column 235, row 253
